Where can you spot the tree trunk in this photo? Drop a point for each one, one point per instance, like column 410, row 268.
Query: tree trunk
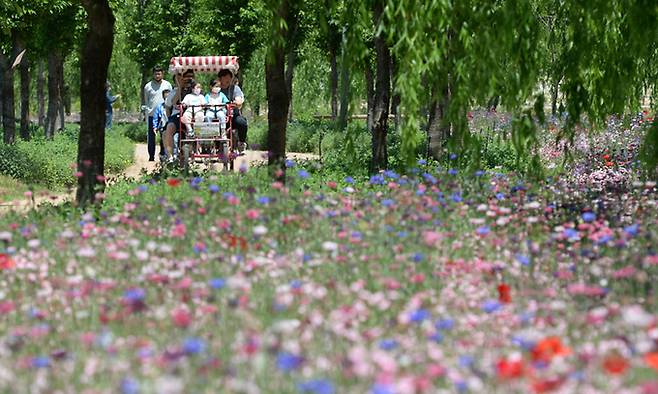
column 94, row 64
column 344, row 88
column 333, row 83
column 60, row 92
column 277, row 95
column 370, row 95
column 439, row 128
column 41, row 98
column 382, row 96
column 555, row 90
column 290, row 72
column 8, row 112
column 395, row 99
column 25, row 99
column 54, row 96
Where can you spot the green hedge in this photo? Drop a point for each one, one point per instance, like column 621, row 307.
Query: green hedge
column 52, row 162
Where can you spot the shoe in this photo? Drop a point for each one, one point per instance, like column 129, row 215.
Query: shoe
column 151, row 158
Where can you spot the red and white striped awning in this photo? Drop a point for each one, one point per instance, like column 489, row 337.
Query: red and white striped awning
column 179, row 64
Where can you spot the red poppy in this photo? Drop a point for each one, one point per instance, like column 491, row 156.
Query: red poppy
column 6, row 262
column 615, row 364
column 652, row 360
column 606, row 157
column 173, row 182
column 548, row 348
column 504, row 295
column 544, row 386
column 609, row 163
column 509, row 369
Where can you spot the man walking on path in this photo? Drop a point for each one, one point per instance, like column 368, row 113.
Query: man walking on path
column 153, row 97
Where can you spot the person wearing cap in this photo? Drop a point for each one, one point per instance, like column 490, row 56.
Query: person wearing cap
column 153, row 98
column 234, row 94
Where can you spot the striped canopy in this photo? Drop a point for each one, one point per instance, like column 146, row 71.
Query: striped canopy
column 179, row 64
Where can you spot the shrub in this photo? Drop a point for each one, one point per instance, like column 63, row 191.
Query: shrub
column 52, row 162
column 134, row 131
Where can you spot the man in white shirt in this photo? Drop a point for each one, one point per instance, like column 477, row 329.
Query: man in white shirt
column 153, row 98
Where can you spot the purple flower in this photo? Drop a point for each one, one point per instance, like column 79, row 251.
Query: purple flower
column 316, row 386
column 419, row 315
column 129, row 386
column 217, row 283
column 134, row 295
column 213, row 188
column 589, row 217
column 444, row 324
column 194, row 345
column 388, row 344
column 491, row 306
column 380, row 388
column 41, row 362
column 632, row 230
column 484, row 230
column 289, row 163
column 287, row 362
column 303, row 174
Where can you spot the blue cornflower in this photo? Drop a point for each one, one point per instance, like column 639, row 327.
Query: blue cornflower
column 418, row 257
column 465, row 360
column 194, row 345
column 483, row 230
column 456, row 197
column 632, row 230
column 500, row 196
column 491, row 306
column 570, row 233
column 380, row 388
column 316, row 386
column 387, row 202
column 453, row 156
column 391, row 174
column 290, row 163
column 303, row 174
column 524, row 260
column 129, row 386
column 41, row 362
column 134, row 295
column 388, row 344
column 422, row 162
column 213, row 188
column 349, row 180
column 217, row 283
column 479, row 173
column 295, row 283
column 444, row 324
column 287, row 362
column 429, row 178
column 264, row 200
column 452, row 171
column 377, row 179
column 143, row 188
column 419, row 315
column 589, row 217
column 436, row 337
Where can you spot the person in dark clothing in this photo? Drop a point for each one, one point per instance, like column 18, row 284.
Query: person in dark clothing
column 109, row 100
column 235, row 95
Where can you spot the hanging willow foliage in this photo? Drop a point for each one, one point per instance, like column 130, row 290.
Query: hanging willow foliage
column 481, row 49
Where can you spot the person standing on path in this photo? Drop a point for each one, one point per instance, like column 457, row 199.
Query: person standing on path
column 109, row 100
column 153, row 98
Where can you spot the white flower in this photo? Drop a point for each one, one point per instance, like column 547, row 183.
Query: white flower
column 636, row 316
column 260, row 230
column 329, row 246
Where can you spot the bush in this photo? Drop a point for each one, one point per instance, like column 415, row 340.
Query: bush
column 52, row 162
column 135, row 131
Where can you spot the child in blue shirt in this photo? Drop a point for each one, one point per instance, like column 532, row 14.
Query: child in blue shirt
column 160, row 122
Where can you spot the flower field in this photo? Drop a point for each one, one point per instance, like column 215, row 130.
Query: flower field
column 437, row 281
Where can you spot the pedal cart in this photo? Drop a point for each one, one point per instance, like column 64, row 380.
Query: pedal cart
column 210, row 140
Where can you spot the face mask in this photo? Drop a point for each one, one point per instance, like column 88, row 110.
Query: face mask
column 216, row 90
column 197, row 91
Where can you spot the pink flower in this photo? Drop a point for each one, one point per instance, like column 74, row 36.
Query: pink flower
column 253, row 213
column 181, row 317
column 431, row 238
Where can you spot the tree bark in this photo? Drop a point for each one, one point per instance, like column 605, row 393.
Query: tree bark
column 277, row 95
column 382, row 96
column 439, row 128
column 25, row 99
column 41, row 98
column 344, row 88
column 94, row 64
column 370, row 95
column 290, row 72
column 54, row 94
column 333, row 83
column 395, row 99
column 8, row 111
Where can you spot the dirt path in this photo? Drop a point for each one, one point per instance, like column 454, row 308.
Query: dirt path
column 250, row 158
column 140, row 165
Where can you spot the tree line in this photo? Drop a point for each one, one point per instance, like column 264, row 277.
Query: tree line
column 425, row 63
